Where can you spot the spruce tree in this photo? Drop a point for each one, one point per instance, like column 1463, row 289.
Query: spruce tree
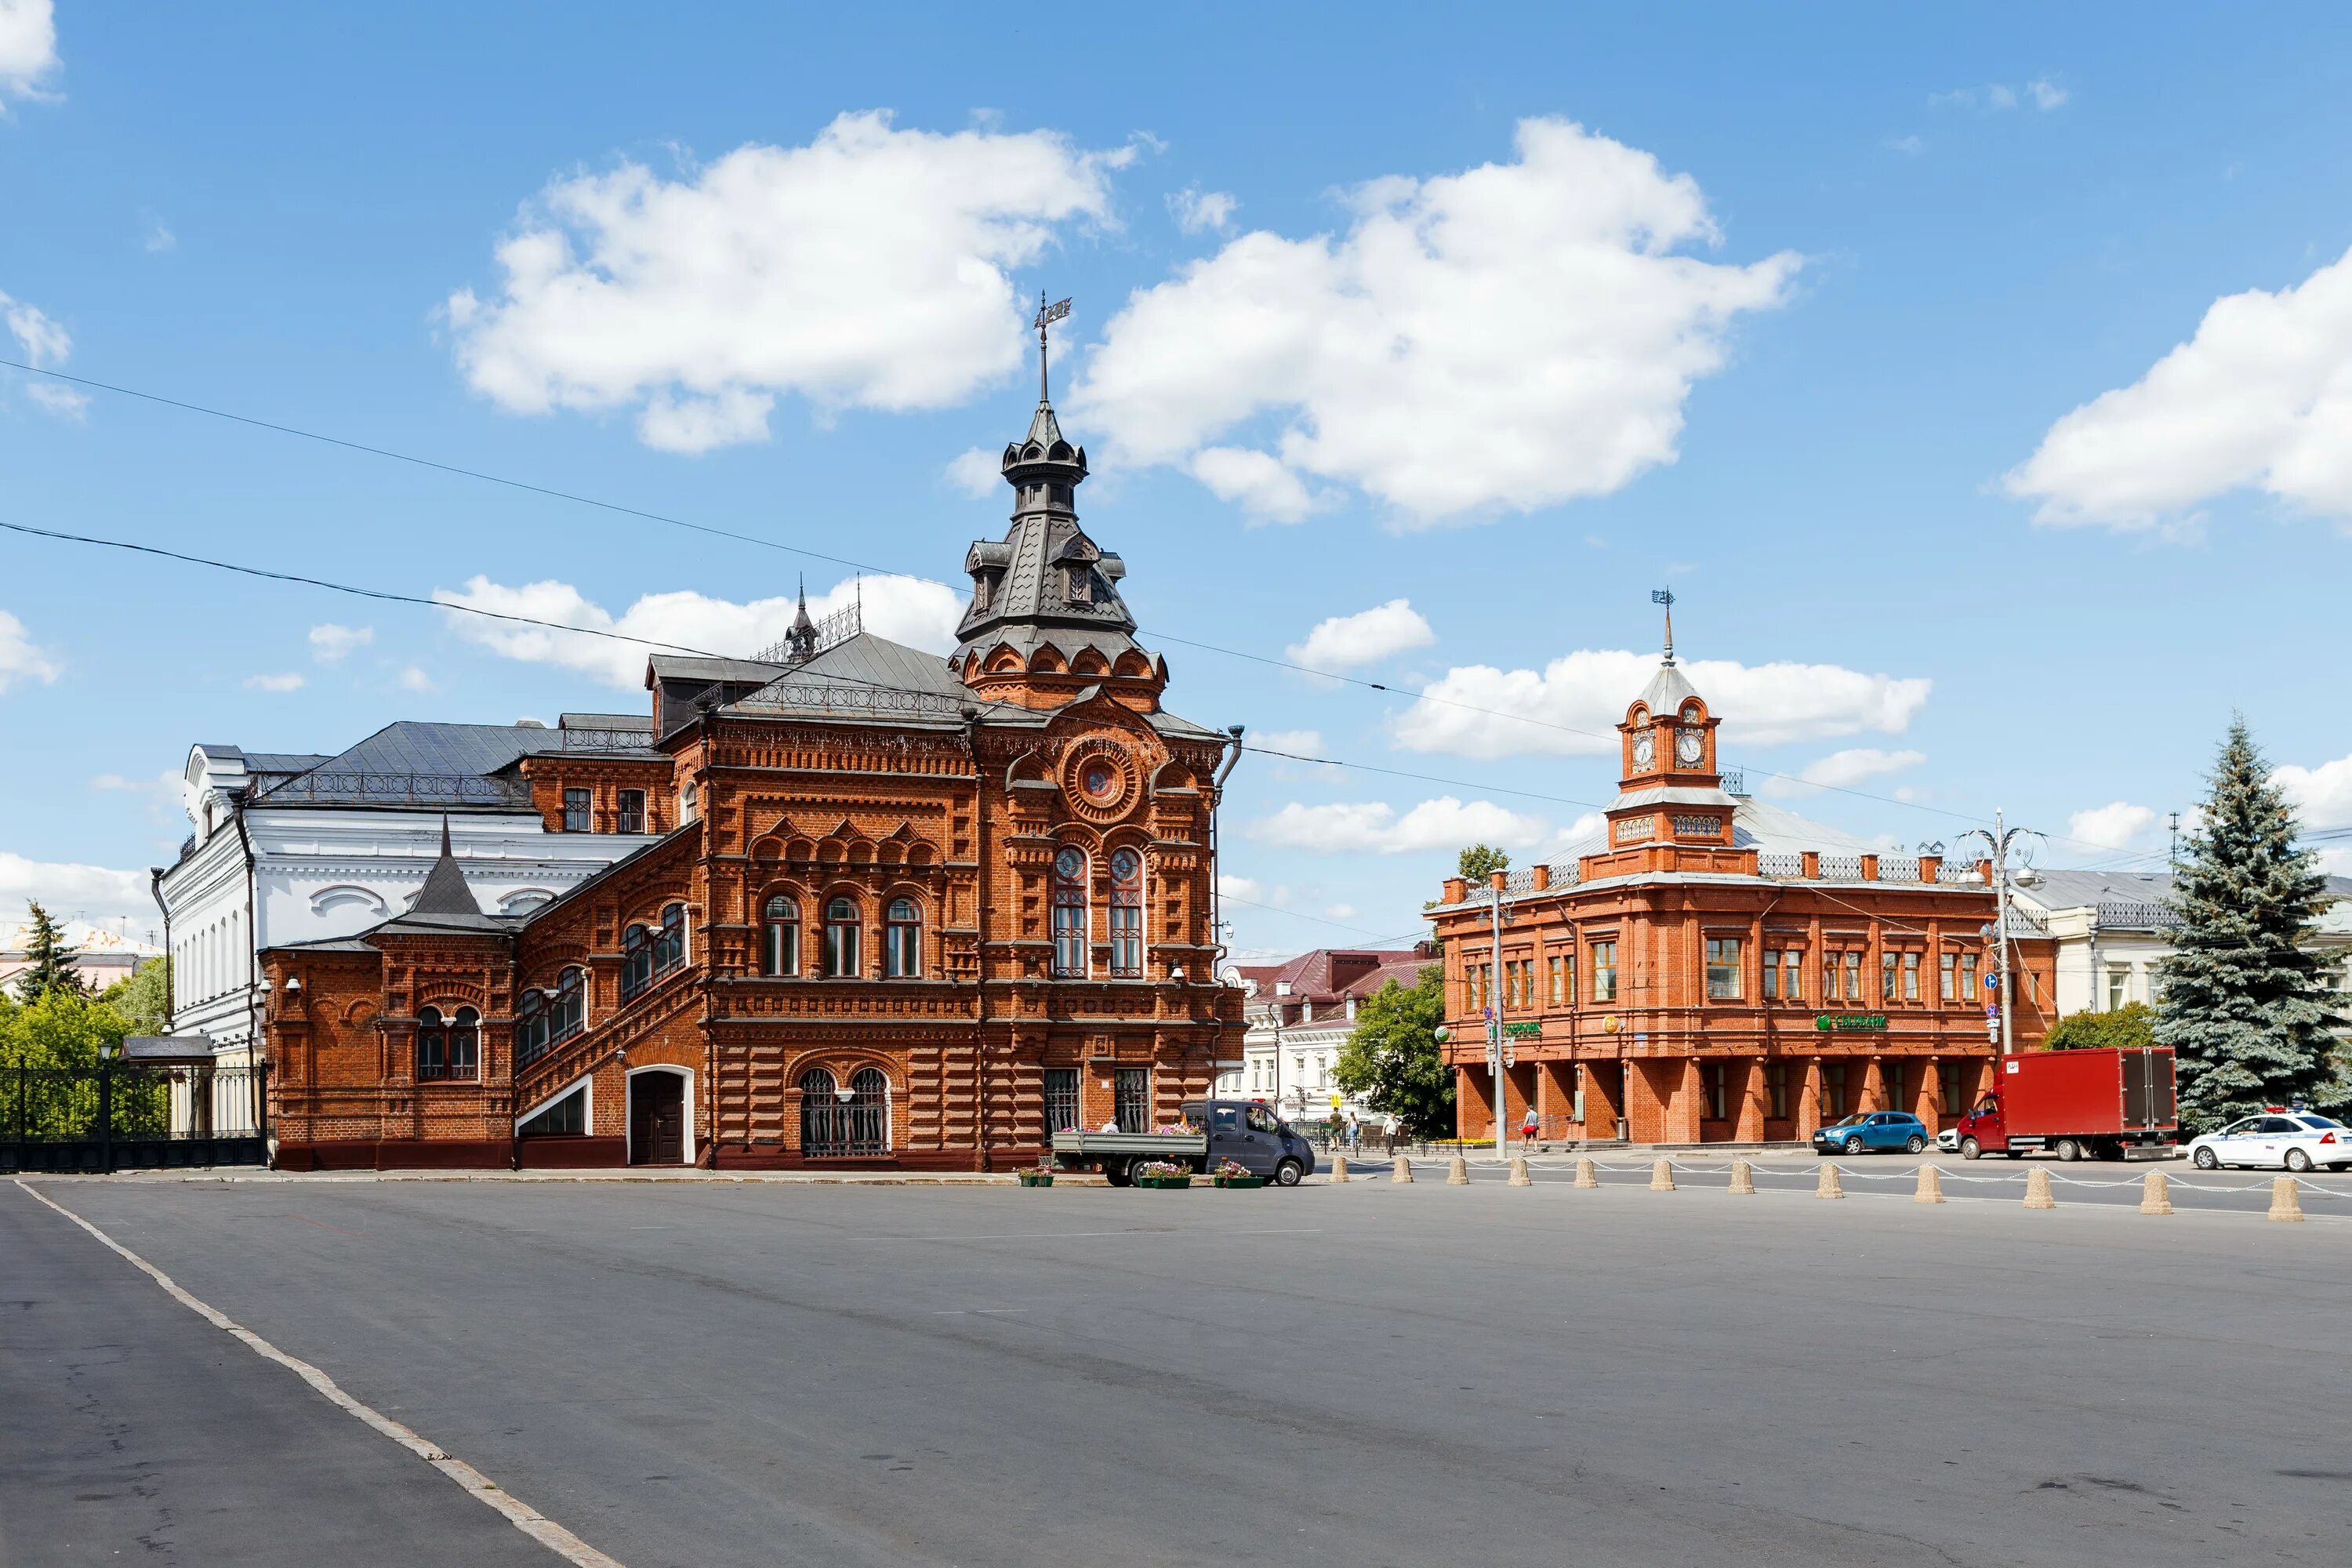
column 2247, row 1002
column 49, row 964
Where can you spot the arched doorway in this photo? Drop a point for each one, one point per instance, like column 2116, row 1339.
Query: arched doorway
column 657, row 1118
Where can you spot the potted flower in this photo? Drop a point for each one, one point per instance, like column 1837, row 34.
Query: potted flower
column 1161, row 1173
column 1233, row 1173
column 1040, row 1175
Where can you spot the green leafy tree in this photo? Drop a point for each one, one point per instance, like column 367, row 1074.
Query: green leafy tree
column 1392, row 1057
column 2130, row 1028
column 49, row 1053
column 49, row 961
column 1481, row 862
column 144, row 999
column 2247, row 1000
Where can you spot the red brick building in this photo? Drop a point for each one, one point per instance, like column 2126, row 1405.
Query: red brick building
column 905, row 911
column 1713, row 968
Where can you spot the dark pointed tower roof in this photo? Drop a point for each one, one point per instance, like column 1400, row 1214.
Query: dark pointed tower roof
column 445, row 903
column 1045, row 582
column 801, row 640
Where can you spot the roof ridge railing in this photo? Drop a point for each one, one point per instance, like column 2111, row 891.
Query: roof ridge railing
column 831, row 632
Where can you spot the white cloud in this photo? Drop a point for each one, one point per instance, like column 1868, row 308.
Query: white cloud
column 21, row 659
column 289, row 681
column 63, row 888
column 37, row 333
column 1368, row 636
column 156, row 236
column 2261, row 396
column 1589, row 691
column 28, row 47
column 1298, row 743
column 2044, row 92
column 1374, row 827
column 2321, row 795
column 413, row 678
column 2110, row 827
column 1196, row 210
column 1232, row 886
column 1910, row 146
column 1841, row 770
column 44, row 343
column 1257, row 483
column 977, row 472
column 330, row 642
column 868, row 269
column 903, row 609
column 1339, row 912
column 1511, row 337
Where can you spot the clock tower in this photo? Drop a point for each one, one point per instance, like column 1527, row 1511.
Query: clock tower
column 1670, row 792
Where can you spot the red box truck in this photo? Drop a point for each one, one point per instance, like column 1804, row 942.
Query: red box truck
column 2079, row 1105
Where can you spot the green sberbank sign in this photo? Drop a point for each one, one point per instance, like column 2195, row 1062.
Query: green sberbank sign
column 1870, row 1023
column 1523, row 1031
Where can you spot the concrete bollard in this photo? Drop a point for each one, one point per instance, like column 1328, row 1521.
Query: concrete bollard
column 1519, row 1177
column 1588, row 1175
column 1457, row 1171
column 1831, row 1185
column 1402, row 1170
column 1661, row 1175
column 2037, row 1190
column 1743, row 1178
column 1339, row 1167
column 2286, row 1200
column 2155, row 1194
column 1931, row 1187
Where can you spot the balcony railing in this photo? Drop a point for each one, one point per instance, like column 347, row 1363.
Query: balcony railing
column 398, row 789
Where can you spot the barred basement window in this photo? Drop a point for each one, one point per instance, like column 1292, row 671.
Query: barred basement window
column 1062, row 1100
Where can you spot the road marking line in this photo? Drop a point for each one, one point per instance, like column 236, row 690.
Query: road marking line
column 1154, row 1231
column 479, row 1487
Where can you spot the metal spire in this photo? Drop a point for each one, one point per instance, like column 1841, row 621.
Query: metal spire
column 1046, row 316
column 1667, row 597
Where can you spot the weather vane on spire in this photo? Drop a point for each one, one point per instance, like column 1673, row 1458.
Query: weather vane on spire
column 1046, row 316
column 1667, row 597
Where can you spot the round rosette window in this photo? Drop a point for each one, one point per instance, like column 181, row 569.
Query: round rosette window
column 1100, row 783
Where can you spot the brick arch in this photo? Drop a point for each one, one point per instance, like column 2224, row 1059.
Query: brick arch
column 843, row 1062
column 1133, row 663
column 1173, row 774
column 801, row 850
column 359, row 1011
column 920, row 853
column 1048, row 660
column 1089, row 661
column 768, row 848
column 1006, row 661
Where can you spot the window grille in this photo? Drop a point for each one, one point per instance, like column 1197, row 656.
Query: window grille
column 1062, row 1100
column 835, row 1127
column 1132, row 1099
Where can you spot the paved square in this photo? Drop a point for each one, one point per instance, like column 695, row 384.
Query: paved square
column 719, row 1374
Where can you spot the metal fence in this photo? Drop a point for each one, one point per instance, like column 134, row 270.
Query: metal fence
column 119, row 1116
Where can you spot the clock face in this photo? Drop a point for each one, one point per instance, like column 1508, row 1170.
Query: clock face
column 1688, row 746
column 1642, row 750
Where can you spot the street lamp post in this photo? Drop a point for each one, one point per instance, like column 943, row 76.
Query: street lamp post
column 1997, row 843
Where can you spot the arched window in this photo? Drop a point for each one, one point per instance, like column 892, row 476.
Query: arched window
column 780, row 936
column 1127, row 914
column 569, row 1014
column 636, row 962
column 820, row 1111
column 869, row 1113
column 902, row 950
column 841, row 944
column 837, row 1123
column 447, row 1049
column 1070, row 914
column 432, row 1045
column 669, row 942
column 531, row 1028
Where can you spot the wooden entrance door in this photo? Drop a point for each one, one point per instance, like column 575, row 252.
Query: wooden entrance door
column 657, row 1118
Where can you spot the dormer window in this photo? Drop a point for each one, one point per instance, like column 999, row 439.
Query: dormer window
column 1078, row 585
column 1691, row 714
column 982, row 590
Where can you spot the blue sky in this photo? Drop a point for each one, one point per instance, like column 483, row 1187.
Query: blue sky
column 1513, row 318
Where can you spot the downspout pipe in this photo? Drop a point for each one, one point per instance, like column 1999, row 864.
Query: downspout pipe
column 985, row 1161
column 253, row 1051
column 171, row 967
column 1217, row 904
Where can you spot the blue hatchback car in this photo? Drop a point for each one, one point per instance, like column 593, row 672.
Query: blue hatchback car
column 1883, row 1130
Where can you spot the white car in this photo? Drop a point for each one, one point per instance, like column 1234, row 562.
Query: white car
column 1948, row 1140
column 2298, row 1140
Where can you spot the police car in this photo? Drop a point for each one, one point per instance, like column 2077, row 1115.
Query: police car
column 2298, row 1140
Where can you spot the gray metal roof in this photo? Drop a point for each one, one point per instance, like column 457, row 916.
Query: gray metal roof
column 412, row 763
column 866, row 677
column 1667, row 689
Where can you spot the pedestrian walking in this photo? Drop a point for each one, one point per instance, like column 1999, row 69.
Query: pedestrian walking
column 1355, row 1133
column 1530, row 1126
column 1388, row 1128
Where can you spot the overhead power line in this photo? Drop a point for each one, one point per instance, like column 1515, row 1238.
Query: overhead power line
column 620, row 509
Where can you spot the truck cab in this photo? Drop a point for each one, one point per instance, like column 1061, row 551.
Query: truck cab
column 1251, row 1135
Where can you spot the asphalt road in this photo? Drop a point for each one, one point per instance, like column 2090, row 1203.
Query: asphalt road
column 688, row 1374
